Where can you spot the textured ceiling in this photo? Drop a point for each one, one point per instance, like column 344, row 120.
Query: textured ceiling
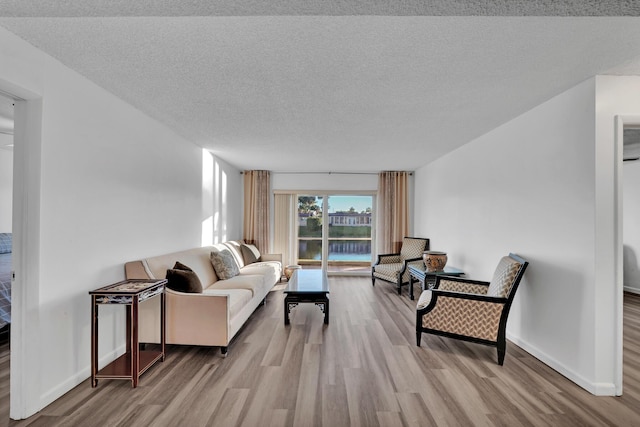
column 333, row 93
column 320, row 7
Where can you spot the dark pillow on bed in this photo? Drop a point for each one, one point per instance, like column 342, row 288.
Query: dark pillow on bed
column 5, row 243
column 183, row 280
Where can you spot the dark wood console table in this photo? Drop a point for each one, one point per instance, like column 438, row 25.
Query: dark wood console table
column 134, row 362
column 428, row 278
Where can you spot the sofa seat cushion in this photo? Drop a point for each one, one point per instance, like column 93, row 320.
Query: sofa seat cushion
column 253, row 283
column 270, row 270
column 238, row 298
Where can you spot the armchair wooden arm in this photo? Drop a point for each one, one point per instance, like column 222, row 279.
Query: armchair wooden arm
column 387, row 258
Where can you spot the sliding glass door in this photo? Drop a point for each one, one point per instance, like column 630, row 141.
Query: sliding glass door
column 335, row 231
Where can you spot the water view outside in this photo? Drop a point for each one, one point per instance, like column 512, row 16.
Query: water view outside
column 349, row 228
column 349, row 250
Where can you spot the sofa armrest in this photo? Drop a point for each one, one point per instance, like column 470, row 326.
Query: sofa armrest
column 196, row 319
column 271, row 257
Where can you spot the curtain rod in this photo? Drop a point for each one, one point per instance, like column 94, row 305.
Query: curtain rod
column 325, row 173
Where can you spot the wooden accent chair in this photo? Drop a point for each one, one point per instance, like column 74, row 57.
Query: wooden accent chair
column 472, row 310
column 394, row 267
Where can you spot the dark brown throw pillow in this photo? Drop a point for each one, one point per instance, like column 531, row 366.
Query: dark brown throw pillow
column 250, row 254
column 181, row 266
column 184, row 281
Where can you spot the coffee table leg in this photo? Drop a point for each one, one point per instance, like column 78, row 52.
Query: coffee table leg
column 326, row 311
column 286, row 311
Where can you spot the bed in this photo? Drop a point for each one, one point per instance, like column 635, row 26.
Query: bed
column 5, row 286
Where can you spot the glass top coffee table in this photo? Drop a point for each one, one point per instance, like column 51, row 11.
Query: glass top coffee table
column 311, row 286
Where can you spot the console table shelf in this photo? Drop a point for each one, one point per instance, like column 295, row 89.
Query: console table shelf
column 134, row 362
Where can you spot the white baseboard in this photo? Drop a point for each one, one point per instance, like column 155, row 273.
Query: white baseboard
column 62, row 388
column 632, row 290
column 598, row 389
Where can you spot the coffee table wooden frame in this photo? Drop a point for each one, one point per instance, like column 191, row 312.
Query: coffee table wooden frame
column 307, row 286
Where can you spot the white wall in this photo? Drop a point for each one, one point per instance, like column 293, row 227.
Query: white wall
column 324, row 181
column 6, row 186
column 631, row 224
column 115, row 186
column 528, row 187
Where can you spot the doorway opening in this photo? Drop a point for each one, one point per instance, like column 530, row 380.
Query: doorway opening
column 6, row 216
column 627, row 246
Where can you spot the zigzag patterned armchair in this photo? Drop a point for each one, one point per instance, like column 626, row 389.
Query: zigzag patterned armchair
column 472, row 310
column 394, row 267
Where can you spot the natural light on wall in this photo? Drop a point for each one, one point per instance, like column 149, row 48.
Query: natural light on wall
column 214, row 201
column 220, row 205
column 207, row 198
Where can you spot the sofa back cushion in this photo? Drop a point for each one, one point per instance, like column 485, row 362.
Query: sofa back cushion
column 197, row 259
column 233, row 246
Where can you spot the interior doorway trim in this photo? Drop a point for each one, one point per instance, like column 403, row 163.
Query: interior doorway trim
column 621, row 121
column 25, row 386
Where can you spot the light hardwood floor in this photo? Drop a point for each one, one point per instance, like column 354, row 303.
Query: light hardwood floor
column 363, row 369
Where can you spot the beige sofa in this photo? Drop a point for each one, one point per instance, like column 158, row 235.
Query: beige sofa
column 213, row 317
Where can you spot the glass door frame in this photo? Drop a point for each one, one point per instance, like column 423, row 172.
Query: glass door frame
column 324, row 262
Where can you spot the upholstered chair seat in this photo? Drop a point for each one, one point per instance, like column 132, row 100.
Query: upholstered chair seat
column 472, row 310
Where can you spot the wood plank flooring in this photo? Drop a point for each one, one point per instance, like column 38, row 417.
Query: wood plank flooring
column 363, row 369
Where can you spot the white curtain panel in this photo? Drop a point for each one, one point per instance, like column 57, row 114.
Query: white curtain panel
column 393, row 211
column 257, row 185
column 286, row 228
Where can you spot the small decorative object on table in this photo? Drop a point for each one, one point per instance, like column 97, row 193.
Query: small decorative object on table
column 289, row 269
column 434, row 260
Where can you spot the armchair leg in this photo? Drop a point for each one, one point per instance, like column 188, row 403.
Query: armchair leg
column 418, row 337
column 501, row 353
